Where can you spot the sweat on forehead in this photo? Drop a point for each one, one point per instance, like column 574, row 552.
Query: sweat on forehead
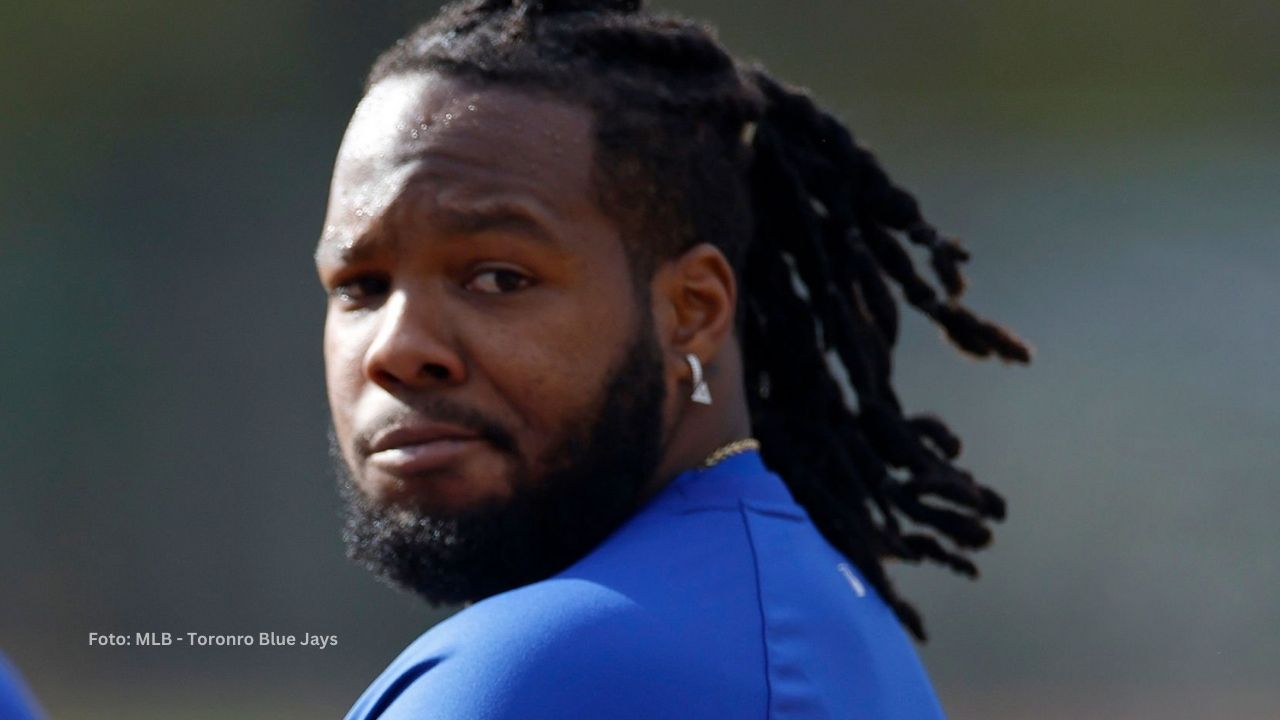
column 404, row 116
column 499, row 148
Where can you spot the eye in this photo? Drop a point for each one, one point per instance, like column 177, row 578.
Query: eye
column 361, row 290
column 498, row 281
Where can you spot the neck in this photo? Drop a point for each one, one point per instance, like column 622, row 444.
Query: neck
column 701, row 430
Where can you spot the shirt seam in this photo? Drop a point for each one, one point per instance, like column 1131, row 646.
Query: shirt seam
column 764, row 632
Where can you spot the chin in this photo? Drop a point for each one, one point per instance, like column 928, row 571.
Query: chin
column 443, row 493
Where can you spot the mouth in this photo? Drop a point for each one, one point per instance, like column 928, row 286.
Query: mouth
column 409, row 450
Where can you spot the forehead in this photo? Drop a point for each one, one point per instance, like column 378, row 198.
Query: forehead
column 464, row 139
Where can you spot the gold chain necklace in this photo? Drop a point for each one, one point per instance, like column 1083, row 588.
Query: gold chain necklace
column 729, row 450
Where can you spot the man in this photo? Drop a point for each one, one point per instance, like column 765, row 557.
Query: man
column 593, row 288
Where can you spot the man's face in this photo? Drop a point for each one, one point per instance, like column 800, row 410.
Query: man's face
column 494, row 379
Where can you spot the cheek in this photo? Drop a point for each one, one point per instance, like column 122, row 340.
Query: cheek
column 551, row 369
column 545, row 370
column 344, row 375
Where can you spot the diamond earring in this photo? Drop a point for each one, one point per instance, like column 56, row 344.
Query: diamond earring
column 701, row 393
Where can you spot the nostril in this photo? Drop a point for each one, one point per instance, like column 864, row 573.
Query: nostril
column 439, row 372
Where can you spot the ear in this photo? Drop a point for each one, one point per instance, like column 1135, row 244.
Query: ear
column 694, row 298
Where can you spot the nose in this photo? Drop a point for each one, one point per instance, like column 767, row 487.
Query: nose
column 412, row 347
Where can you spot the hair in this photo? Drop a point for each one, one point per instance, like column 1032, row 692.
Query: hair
column 694, row 146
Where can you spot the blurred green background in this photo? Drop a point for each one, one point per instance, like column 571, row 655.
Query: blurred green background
column 1112, row 167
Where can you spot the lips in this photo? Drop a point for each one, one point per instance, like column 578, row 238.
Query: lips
column 406, row 450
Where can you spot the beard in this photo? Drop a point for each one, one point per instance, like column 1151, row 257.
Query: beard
column 596, row 469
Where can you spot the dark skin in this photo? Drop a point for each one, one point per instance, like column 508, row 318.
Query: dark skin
column 468, row 263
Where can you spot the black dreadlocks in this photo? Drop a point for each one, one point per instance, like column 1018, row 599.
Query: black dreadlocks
column 693, row 146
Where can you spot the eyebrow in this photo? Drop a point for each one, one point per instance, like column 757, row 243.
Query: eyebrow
column 493, row 216
column 461, row 220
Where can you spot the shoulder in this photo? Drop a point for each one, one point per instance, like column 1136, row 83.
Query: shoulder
column 565, row 647
column 557, row 619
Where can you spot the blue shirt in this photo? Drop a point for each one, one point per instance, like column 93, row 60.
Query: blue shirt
column 717, row 599
column 15, row 701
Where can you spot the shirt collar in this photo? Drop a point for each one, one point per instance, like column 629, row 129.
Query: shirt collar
column 741, row 478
